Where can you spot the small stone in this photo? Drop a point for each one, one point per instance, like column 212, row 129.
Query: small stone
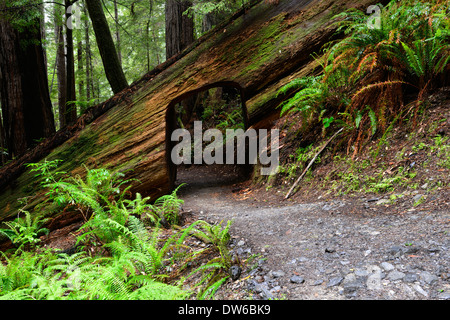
column 330, row 250
column 351, row 277
column 235, row 272
column 417, row 197
column 256, row 287
column 396, row 251
column 317, row 282
column 302, row 259
column 278, row 274
column 374, row 281
column 251, row 285
column 396, row 275
column 297, row 279
column 352, row 287
column 428, row 278
column 420, row 290
column 266, row 294
column 387, row 266
column 334, row 281
column 411, row 277
column 444, row 296
column 383, row 201
column 361, row 273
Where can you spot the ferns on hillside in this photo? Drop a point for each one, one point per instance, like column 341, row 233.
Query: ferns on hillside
column 373, row 66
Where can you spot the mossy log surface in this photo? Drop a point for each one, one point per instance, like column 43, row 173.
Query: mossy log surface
column 258, row 50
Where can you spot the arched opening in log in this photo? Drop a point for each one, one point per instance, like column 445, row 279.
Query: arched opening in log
column 196, row 134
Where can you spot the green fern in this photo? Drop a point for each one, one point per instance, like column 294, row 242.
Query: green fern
column 169, row 206
column 25, row 230
column 311, row 91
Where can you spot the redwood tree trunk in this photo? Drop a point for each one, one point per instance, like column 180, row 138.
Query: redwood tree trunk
column 179, row 27
column 25, row 99
column 3, row 153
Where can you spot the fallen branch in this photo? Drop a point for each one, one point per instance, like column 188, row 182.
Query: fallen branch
column 310, row 164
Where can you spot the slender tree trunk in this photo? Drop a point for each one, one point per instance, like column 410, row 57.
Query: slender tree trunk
column 147, row 43
column 87, row 58
column 25, row 99
column 81, row 95
column 43, row 35
column 70, row 115
column 60, row 66
column 179, row 27
column 153, row 39
column 108, row 53
column 116, row 18
column 3, row 153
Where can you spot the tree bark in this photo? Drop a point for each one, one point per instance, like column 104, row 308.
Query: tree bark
column 108, row 53
column 88, row 58
column 60, row 66
column 179, row 27
column 116, row 18
column 3, row 152
column 25, row 99
column 80, row 71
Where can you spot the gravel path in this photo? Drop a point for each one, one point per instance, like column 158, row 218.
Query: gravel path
column 357, row 248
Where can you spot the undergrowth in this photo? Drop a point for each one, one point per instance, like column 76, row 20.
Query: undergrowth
column 369, row 83
column 375, row 77
column 120, row 251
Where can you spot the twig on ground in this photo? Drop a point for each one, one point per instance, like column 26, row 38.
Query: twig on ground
column 310, row 164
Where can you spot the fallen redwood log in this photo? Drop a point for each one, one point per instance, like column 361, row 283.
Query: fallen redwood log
column 257, row 51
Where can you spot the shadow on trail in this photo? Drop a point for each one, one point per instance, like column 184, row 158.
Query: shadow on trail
column 198, row 177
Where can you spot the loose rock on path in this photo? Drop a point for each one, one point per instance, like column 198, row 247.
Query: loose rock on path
column 349, row 248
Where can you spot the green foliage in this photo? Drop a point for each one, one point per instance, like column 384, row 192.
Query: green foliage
column 23, row 14
column 137, row 257
column 45, row 170
column 312, row 92
column 169, row 206
column 364, row 75
column 50, row 276
column 25, row 230
column 214, row 271
column 207, row 6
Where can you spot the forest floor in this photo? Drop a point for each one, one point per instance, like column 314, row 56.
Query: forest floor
column 344, row 248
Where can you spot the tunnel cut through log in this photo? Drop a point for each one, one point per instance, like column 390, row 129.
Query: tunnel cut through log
column 171, row 123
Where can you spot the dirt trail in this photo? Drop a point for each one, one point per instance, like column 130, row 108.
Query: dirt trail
column 353, row 248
